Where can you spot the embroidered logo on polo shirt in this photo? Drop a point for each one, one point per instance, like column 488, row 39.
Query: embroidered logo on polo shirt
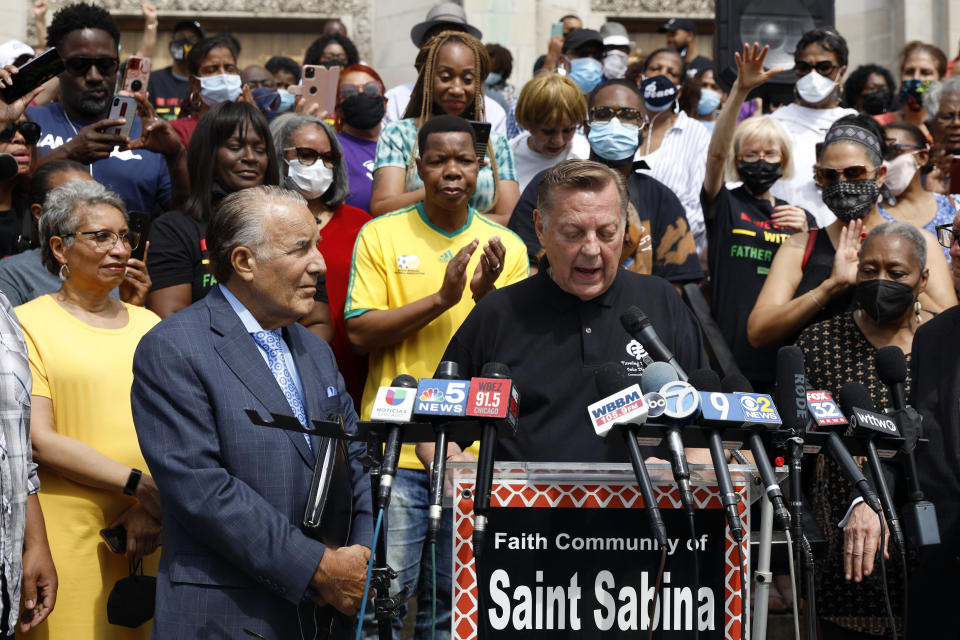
column 635, row 349
column 445, row 257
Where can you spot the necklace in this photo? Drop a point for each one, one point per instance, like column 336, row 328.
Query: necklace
column 76, row 133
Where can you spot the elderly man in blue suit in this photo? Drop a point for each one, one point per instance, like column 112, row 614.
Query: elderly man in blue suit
column 236, row 556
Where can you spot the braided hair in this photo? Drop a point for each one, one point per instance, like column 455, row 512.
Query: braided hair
column 421, row 105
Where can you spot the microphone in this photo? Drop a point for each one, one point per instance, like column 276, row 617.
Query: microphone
column 493, row 398
column 735, row 383
column 854, row 396
column 637, row 324
column 682, row 406
column 624, row 406
column 706, row 380
column 791, row 389
column 392, row 404
column 442, row 397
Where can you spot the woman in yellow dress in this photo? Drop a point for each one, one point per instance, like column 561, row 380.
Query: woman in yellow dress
column 81, row 343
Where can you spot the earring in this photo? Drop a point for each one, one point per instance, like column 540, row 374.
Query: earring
column 676, row 106
column 916, row 309
column 64, row 272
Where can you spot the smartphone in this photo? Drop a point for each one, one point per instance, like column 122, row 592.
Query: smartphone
column 556, row 30
column 116, row 538
column 481, row 131
column 32, row 74
column 140, row 223
column 136, row 74
column 318, row 85
column 122, row 107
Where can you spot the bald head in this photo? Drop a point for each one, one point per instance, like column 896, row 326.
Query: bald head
column 256, row 77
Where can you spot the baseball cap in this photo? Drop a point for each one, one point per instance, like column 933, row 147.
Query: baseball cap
column 678, row 23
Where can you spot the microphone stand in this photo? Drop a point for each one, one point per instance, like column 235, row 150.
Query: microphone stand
column 802, row 553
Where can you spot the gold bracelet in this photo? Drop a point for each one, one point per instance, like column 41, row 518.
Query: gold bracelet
column 815, row 301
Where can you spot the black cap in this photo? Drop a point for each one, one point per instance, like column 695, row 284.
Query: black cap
column 576, row 39
column 190, row 24
column 678, row 23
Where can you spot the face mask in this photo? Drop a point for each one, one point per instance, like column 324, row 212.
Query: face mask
column 493, row 79
column 658, row 93
column 884, row 300
column 614, row 64
column 286, row 100
column 362, row 111
column 587, row 73
column 759, row 176
column 900, row 172
column 223, row 87
column 851, row 200
column 313, row 181
column 709, row 101
column 179, row 49
column 876, row 102
column 614, row 140
column 815, row 88
column 913, row 91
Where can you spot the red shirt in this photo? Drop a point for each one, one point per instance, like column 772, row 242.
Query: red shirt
column 184, row 128
column 337, row 238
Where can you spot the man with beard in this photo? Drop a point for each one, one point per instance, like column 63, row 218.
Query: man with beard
column 657, row 239
column 77, row 128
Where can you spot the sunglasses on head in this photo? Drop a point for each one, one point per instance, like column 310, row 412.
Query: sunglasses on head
column 371, row 89
column 308, row 156
column 826, row 176
column 29, row 130
column 824, row 67
column 80, row 65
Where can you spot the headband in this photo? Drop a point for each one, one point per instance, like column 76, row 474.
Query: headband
column 853, row 133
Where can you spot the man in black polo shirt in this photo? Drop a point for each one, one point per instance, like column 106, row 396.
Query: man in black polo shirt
column 657, row 239
column 169, row 86
column 556, row 329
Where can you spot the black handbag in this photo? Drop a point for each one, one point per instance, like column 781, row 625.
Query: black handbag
column 132, row 598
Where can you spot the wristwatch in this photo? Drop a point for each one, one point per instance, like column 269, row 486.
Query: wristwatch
column 132, row 482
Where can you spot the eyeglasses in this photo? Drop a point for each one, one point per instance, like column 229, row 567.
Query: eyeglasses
column 80, row 65
column 825, row 176
column 824, row 67
column 948, row 117
column 947, row 235
column 106, row 240
column 627, row 115
column 895, row 150
column 756, row 156
column 308, row 156
column 371, row 89
column 29, row 130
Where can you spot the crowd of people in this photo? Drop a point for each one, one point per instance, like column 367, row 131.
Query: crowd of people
column 297, row 259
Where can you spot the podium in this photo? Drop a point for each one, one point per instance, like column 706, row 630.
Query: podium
column 569, row 554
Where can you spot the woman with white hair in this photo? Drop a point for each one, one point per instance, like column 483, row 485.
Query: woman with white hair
column 746, row 225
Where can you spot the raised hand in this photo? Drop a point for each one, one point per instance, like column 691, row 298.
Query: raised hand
column 92, row 143
column 789, row 217
column 488, row 269
column 455, row 277
column 136, row 282
column 847, row 259
column 156, row 134
column 750, row 72
column 10, row 112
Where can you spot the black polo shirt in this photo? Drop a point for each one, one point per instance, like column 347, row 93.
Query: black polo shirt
column 554, row 343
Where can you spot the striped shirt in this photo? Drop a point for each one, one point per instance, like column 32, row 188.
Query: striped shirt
column 18, row 472
column 681, row 163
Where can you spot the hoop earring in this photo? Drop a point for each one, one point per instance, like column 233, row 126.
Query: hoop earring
column 63, row 276
column 916, row 309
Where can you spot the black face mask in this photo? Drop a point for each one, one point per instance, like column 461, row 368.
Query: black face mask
column 876, row 102
column 759, row 176
column 851, row 200
column 363, row 111
column 884, row 300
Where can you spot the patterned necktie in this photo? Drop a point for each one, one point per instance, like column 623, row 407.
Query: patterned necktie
column 271, row 343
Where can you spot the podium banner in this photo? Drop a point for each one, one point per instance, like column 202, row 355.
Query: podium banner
column 572, row 556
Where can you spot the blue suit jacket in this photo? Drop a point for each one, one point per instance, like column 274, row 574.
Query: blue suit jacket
column 233, row 494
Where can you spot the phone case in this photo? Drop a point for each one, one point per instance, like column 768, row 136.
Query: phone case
column 32, row 74
column 136, row 74
column 122, row 107
column 140, row 223
column 318, row 85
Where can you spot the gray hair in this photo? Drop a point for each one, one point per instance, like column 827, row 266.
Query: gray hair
column 584, row 175
column 904, row 231
column 60, row 208
column 282, row 130
column 238, row 222
column 931, row 100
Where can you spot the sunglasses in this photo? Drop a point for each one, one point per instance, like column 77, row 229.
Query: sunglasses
column 80, row 65
column 308, row 156
column 371, row 89
column 947, row 235
column 825, row 176
column 29, row 130
column 628, row 115
column 824, row 67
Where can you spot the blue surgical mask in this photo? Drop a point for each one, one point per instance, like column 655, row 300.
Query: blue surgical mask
column 586, row 72
column 493, row 79
column 286, row 100
column 223, row 87
column 614, row 140
column 709, row 101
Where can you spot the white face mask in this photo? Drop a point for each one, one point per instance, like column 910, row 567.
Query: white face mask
column 815, row 88
column 313, row 181
column 223, row 87
column 614, row 64
column 900, row 172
